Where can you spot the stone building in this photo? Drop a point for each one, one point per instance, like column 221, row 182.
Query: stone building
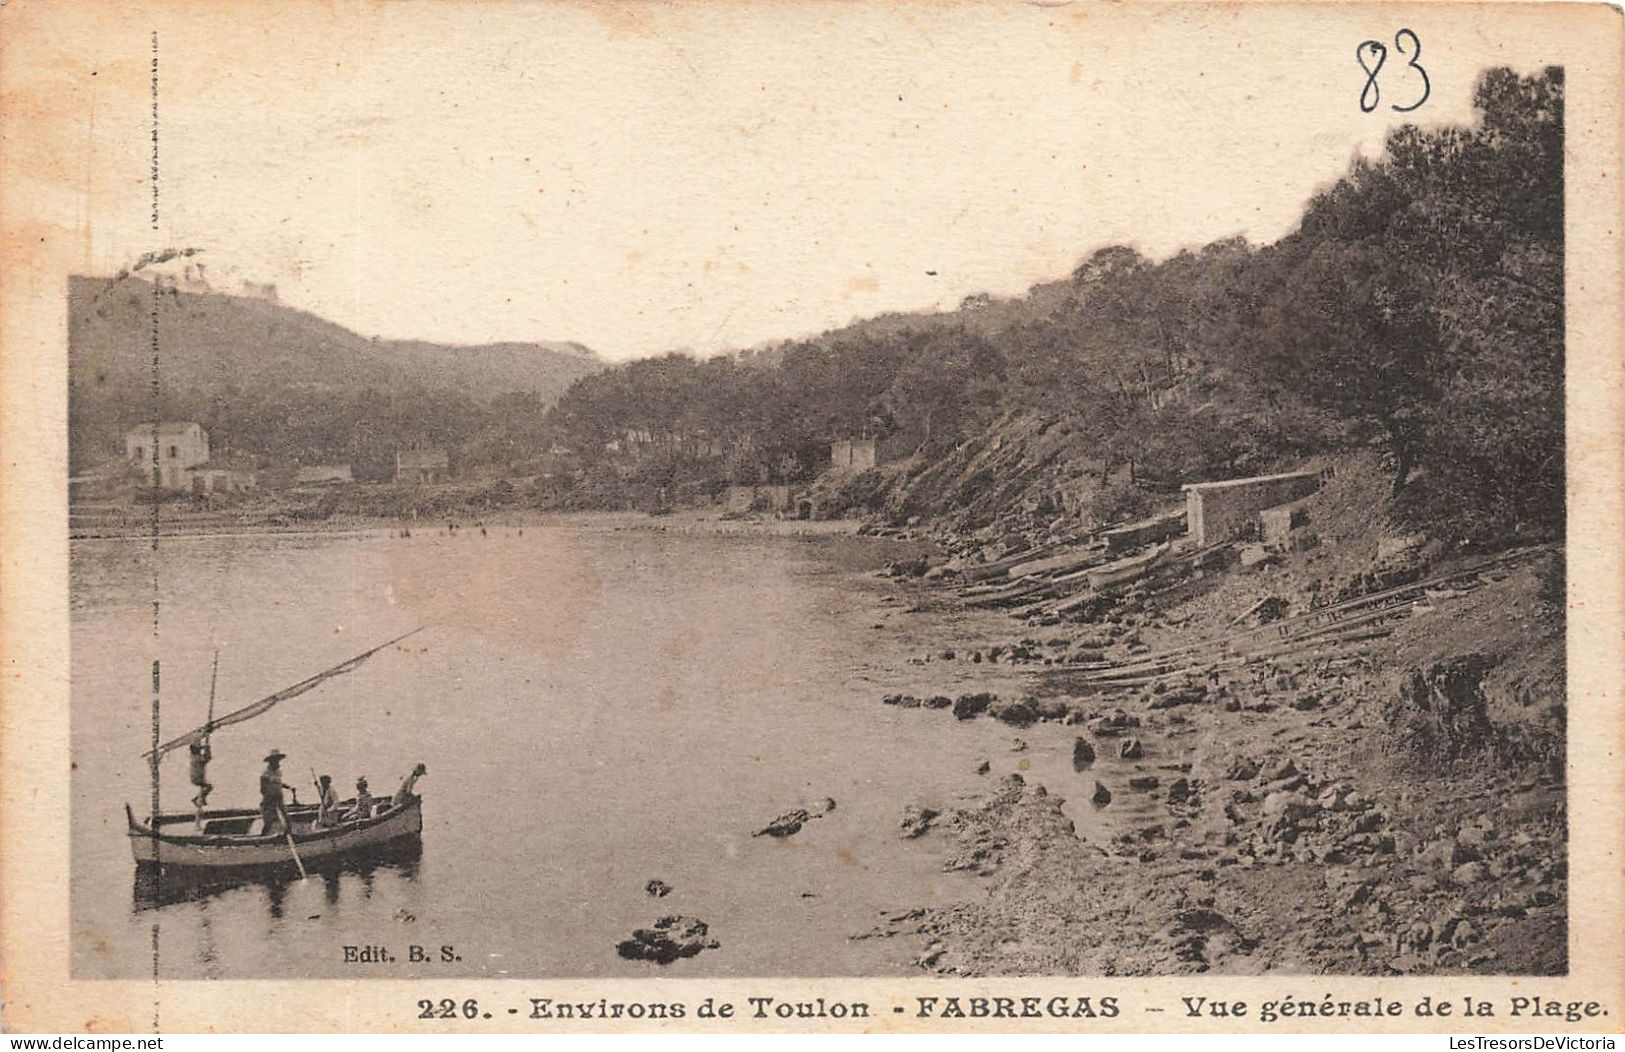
column 1217, row 511
column 222, row 475
column 180, row 447
column 422, row 465
column 766, row 497
column 849, row 456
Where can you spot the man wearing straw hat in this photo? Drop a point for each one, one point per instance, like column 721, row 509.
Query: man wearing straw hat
column 272, row 812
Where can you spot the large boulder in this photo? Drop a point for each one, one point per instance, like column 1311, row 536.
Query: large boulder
column 1053, row 709
column 1285, row 808
column 1441, row 714
column 1017, row 712
column 790, row 823
column 1112, row 724
column 1281, row 771
column 1242, row 770
column 787, row 824
column 970, row 706
column 670, row 938
column 1184, row 695
column 917, row 820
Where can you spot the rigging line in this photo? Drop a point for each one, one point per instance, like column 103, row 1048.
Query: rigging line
column 248, row 712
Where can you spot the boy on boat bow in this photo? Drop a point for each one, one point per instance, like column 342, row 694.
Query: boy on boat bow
column 200, row 757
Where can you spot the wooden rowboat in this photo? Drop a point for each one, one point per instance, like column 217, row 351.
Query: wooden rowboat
column 216, row 841
column 228, row 838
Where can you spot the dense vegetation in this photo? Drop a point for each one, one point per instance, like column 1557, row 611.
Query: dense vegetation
column 1418, row 308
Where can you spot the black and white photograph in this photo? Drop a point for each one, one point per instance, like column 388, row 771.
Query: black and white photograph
column 924, row 492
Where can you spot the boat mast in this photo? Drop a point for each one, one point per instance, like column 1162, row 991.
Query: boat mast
column 201, row 798
column 214, row 677
column 155, row 755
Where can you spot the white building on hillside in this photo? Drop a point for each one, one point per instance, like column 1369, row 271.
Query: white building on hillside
column 179, row 446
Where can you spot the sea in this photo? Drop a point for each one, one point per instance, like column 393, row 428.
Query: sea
column 599, row 704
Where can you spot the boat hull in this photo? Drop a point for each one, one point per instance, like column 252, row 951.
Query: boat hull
column 207, row 851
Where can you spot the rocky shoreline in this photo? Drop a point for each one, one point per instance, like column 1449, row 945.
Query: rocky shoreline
column 1378, row 797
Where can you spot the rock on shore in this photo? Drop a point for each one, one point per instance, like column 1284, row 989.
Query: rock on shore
column 670, row 938
column 917, row 820
column 790, row 823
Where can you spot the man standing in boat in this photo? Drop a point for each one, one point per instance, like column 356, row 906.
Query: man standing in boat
column 273, row 813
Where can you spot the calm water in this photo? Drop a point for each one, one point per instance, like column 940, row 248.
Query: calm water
column 596, row 709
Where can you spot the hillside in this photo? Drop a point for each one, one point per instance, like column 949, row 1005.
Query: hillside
column 223, row 351
column 982, row 315
column 1416, row 312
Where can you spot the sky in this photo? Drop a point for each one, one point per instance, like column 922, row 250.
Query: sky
column 717, row 176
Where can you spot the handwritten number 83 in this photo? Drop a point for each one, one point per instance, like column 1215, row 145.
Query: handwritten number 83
column 1371, row 54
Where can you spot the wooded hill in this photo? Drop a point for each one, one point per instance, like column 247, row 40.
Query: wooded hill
column 1417, row 308
column 269, row 380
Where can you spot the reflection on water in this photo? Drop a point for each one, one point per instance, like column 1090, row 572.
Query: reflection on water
column 156, row 886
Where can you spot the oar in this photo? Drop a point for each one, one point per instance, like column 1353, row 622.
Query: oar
column 321, row 811
column 287, row 832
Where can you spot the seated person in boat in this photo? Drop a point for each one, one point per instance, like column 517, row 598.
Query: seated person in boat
column 327, row 803
column 273, row 812
column 363, row 802
column 408, row 790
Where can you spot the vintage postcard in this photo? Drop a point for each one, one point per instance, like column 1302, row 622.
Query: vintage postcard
column 878, row 516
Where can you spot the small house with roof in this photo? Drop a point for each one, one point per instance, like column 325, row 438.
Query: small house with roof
column 222, row 475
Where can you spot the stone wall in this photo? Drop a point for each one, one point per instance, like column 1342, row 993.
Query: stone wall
column 1217, row 511
column 1277, row 523
column 852, row 455
column 1147, row 531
